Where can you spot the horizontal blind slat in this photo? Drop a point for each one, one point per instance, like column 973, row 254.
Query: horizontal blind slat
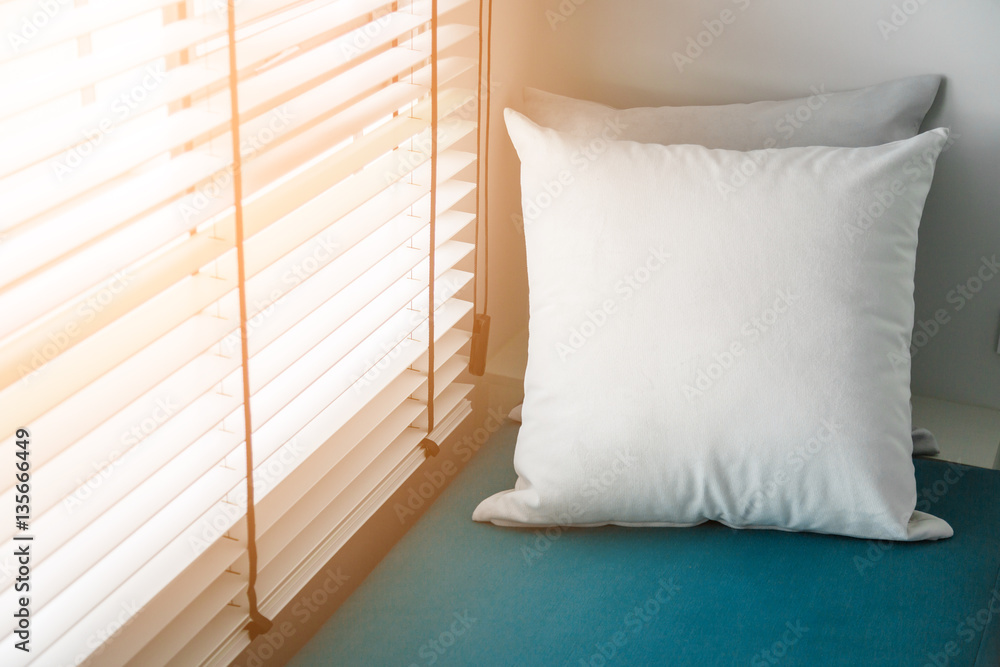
column 31, row 400
column 201, row 77
column 175, row 37
column 347, row 512
column 69, row 517
column 105, row 536
column 72, row 244
column 173, row 603
column 65, row 426
column 111, row 151
column 69, row 23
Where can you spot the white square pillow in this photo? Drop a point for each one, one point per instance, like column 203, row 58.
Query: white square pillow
column 869, row 116
column 865, row 117
column 924, row 442
column 694, row 356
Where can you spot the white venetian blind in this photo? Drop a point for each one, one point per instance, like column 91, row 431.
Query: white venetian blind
column 120, row 346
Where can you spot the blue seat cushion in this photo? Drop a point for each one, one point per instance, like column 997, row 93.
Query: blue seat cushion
column 454, row 592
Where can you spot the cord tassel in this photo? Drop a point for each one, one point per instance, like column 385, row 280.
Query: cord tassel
column 430, row 447
column 260, row 625
column 481, row 322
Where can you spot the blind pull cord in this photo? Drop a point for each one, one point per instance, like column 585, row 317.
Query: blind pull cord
column 481, row 321
column 259, row 624
column 429, row 446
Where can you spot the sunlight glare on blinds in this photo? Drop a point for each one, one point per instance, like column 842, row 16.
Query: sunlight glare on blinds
column 120, row 350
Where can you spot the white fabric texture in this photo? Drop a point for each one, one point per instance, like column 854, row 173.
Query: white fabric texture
column 698, row 355
column 865, row 117
column 924, row 442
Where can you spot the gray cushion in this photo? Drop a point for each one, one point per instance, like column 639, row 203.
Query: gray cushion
column 865, row 117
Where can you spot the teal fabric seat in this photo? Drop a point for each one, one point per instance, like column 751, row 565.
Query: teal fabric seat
column 454, row 592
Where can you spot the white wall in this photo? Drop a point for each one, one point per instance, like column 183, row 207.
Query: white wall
column 621, row 52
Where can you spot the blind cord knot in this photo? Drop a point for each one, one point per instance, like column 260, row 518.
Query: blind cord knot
column 430, row 447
